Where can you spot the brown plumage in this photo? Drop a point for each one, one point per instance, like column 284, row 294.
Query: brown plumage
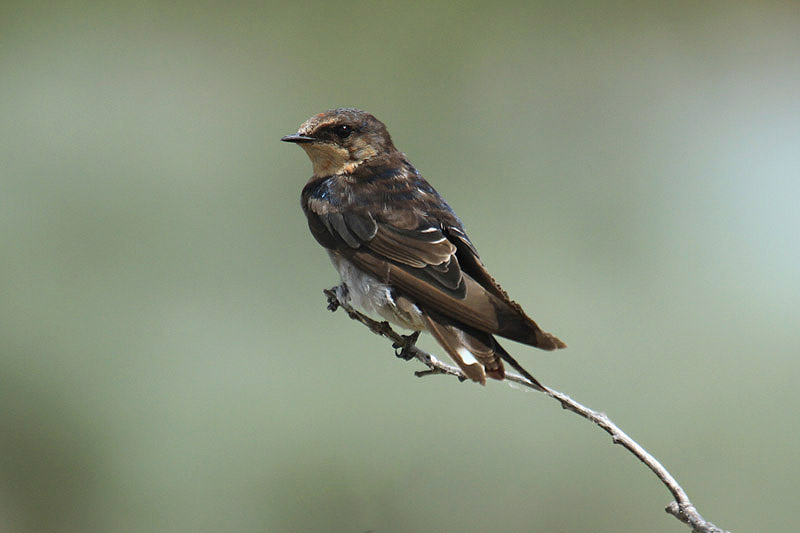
column 401, row 250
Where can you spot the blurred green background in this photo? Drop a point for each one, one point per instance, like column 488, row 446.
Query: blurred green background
column 629, row 172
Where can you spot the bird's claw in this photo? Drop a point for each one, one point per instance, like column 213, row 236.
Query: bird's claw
column 404, row 350
column 336, row 296
column 333, row 301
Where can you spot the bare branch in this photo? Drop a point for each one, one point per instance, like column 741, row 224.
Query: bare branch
column 681, row 508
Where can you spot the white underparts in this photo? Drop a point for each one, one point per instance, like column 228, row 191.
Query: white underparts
column 376, row 298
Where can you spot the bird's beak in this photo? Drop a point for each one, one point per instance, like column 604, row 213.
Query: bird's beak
column 297, row 138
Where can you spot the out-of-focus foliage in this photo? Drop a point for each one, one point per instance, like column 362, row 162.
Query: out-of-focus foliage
column 629, row 172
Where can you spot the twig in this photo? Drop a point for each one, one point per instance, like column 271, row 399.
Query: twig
column 681, row 508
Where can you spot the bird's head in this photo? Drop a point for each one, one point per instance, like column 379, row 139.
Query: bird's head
column 338, row 141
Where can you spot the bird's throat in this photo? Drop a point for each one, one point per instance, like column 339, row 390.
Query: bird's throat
column 330, row 160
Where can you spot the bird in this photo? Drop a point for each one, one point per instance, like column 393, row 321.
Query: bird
column 401, row 251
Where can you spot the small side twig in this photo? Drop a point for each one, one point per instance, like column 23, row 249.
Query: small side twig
column 682, row 508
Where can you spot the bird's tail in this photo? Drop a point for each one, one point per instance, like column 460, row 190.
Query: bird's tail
column 473, row 352
column 477, row 353
column 505, row 356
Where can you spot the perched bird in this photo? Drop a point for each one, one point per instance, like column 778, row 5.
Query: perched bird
column 400, row 250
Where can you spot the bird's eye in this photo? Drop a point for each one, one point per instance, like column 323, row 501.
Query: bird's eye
column 342, row 131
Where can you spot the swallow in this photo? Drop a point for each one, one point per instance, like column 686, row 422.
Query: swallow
column 399, row 248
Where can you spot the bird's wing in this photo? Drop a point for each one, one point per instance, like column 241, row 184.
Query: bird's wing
column 472, row 265
column 433, row 263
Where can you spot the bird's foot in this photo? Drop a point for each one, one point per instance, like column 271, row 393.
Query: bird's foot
column 406, row 347
column 337, row 296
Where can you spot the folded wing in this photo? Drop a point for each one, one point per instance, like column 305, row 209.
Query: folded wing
column 433, row 263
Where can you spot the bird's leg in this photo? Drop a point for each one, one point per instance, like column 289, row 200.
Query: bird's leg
column 406, row 346
column 336, row 295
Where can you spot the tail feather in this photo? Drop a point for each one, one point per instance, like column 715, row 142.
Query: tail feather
column 473, row 365
column 516, row 366
column 477, row 353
